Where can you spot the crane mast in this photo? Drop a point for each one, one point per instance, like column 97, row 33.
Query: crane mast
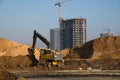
column 59, row 4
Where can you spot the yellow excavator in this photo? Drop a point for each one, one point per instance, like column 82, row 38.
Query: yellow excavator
column 48, row 57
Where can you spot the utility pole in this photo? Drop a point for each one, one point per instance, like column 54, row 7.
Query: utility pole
column 59, row 4
column 108, row 31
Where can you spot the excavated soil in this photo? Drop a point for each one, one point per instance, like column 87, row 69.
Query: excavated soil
column 10, row 48
column 100, row 48
column 101, row 53
column 8, row 62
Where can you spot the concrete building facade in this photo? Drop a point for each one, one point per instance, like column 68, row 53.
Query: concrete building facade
column 55, row 38
column 72, row 32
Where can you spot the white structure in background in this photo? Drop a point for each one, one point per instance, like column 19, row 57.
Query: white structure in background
column 55, row 39
column 106, row 34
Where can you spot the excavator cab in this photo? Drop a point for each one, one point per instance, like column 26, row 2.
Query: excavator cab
column 45, row 51
column 46, row 54
column 50, row 58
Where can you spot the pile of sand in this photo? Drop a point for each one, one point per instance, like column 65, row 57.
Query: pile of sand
column 14, row 55
column 100, row 48
column 65, row 52
column 107, row 48
column 13, row 49
column 10, row 48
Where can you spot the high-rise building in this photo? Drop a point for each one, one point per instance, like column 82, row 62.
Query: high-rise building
column 72, row 32
column 55, row 39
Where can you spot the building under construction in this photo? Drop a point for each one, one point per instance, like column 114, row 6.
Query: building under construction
column 72, row 32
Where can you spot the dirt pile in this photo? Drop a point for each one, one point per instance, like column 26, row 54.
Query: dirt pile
column 100, row 48
column 65, row 52
column 10, row 48
column 13, row 55
column 107, row 48
column 104, row 53
column 8, row 62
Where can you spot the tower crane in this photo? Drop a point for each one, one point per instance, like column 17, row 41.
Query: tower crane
column 59, row 4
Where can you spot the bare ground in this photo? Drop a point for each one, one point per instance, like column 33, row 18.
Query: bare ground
column 101, row 53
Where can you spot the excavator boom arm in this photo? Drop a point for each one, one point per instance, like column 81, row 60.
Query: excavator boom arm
column 36, row 34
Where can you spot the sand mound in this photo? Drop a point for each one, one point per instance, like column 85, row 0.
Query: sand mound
column 10, row 48
column 100, row 48
column 107, row 47
column 14, row 55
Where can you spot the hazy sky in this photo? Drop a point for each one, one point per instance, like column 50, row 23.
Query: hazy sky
column 18, row 18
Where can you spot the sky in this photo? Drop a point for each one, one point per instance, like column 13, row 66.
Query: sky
column 19, row 18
